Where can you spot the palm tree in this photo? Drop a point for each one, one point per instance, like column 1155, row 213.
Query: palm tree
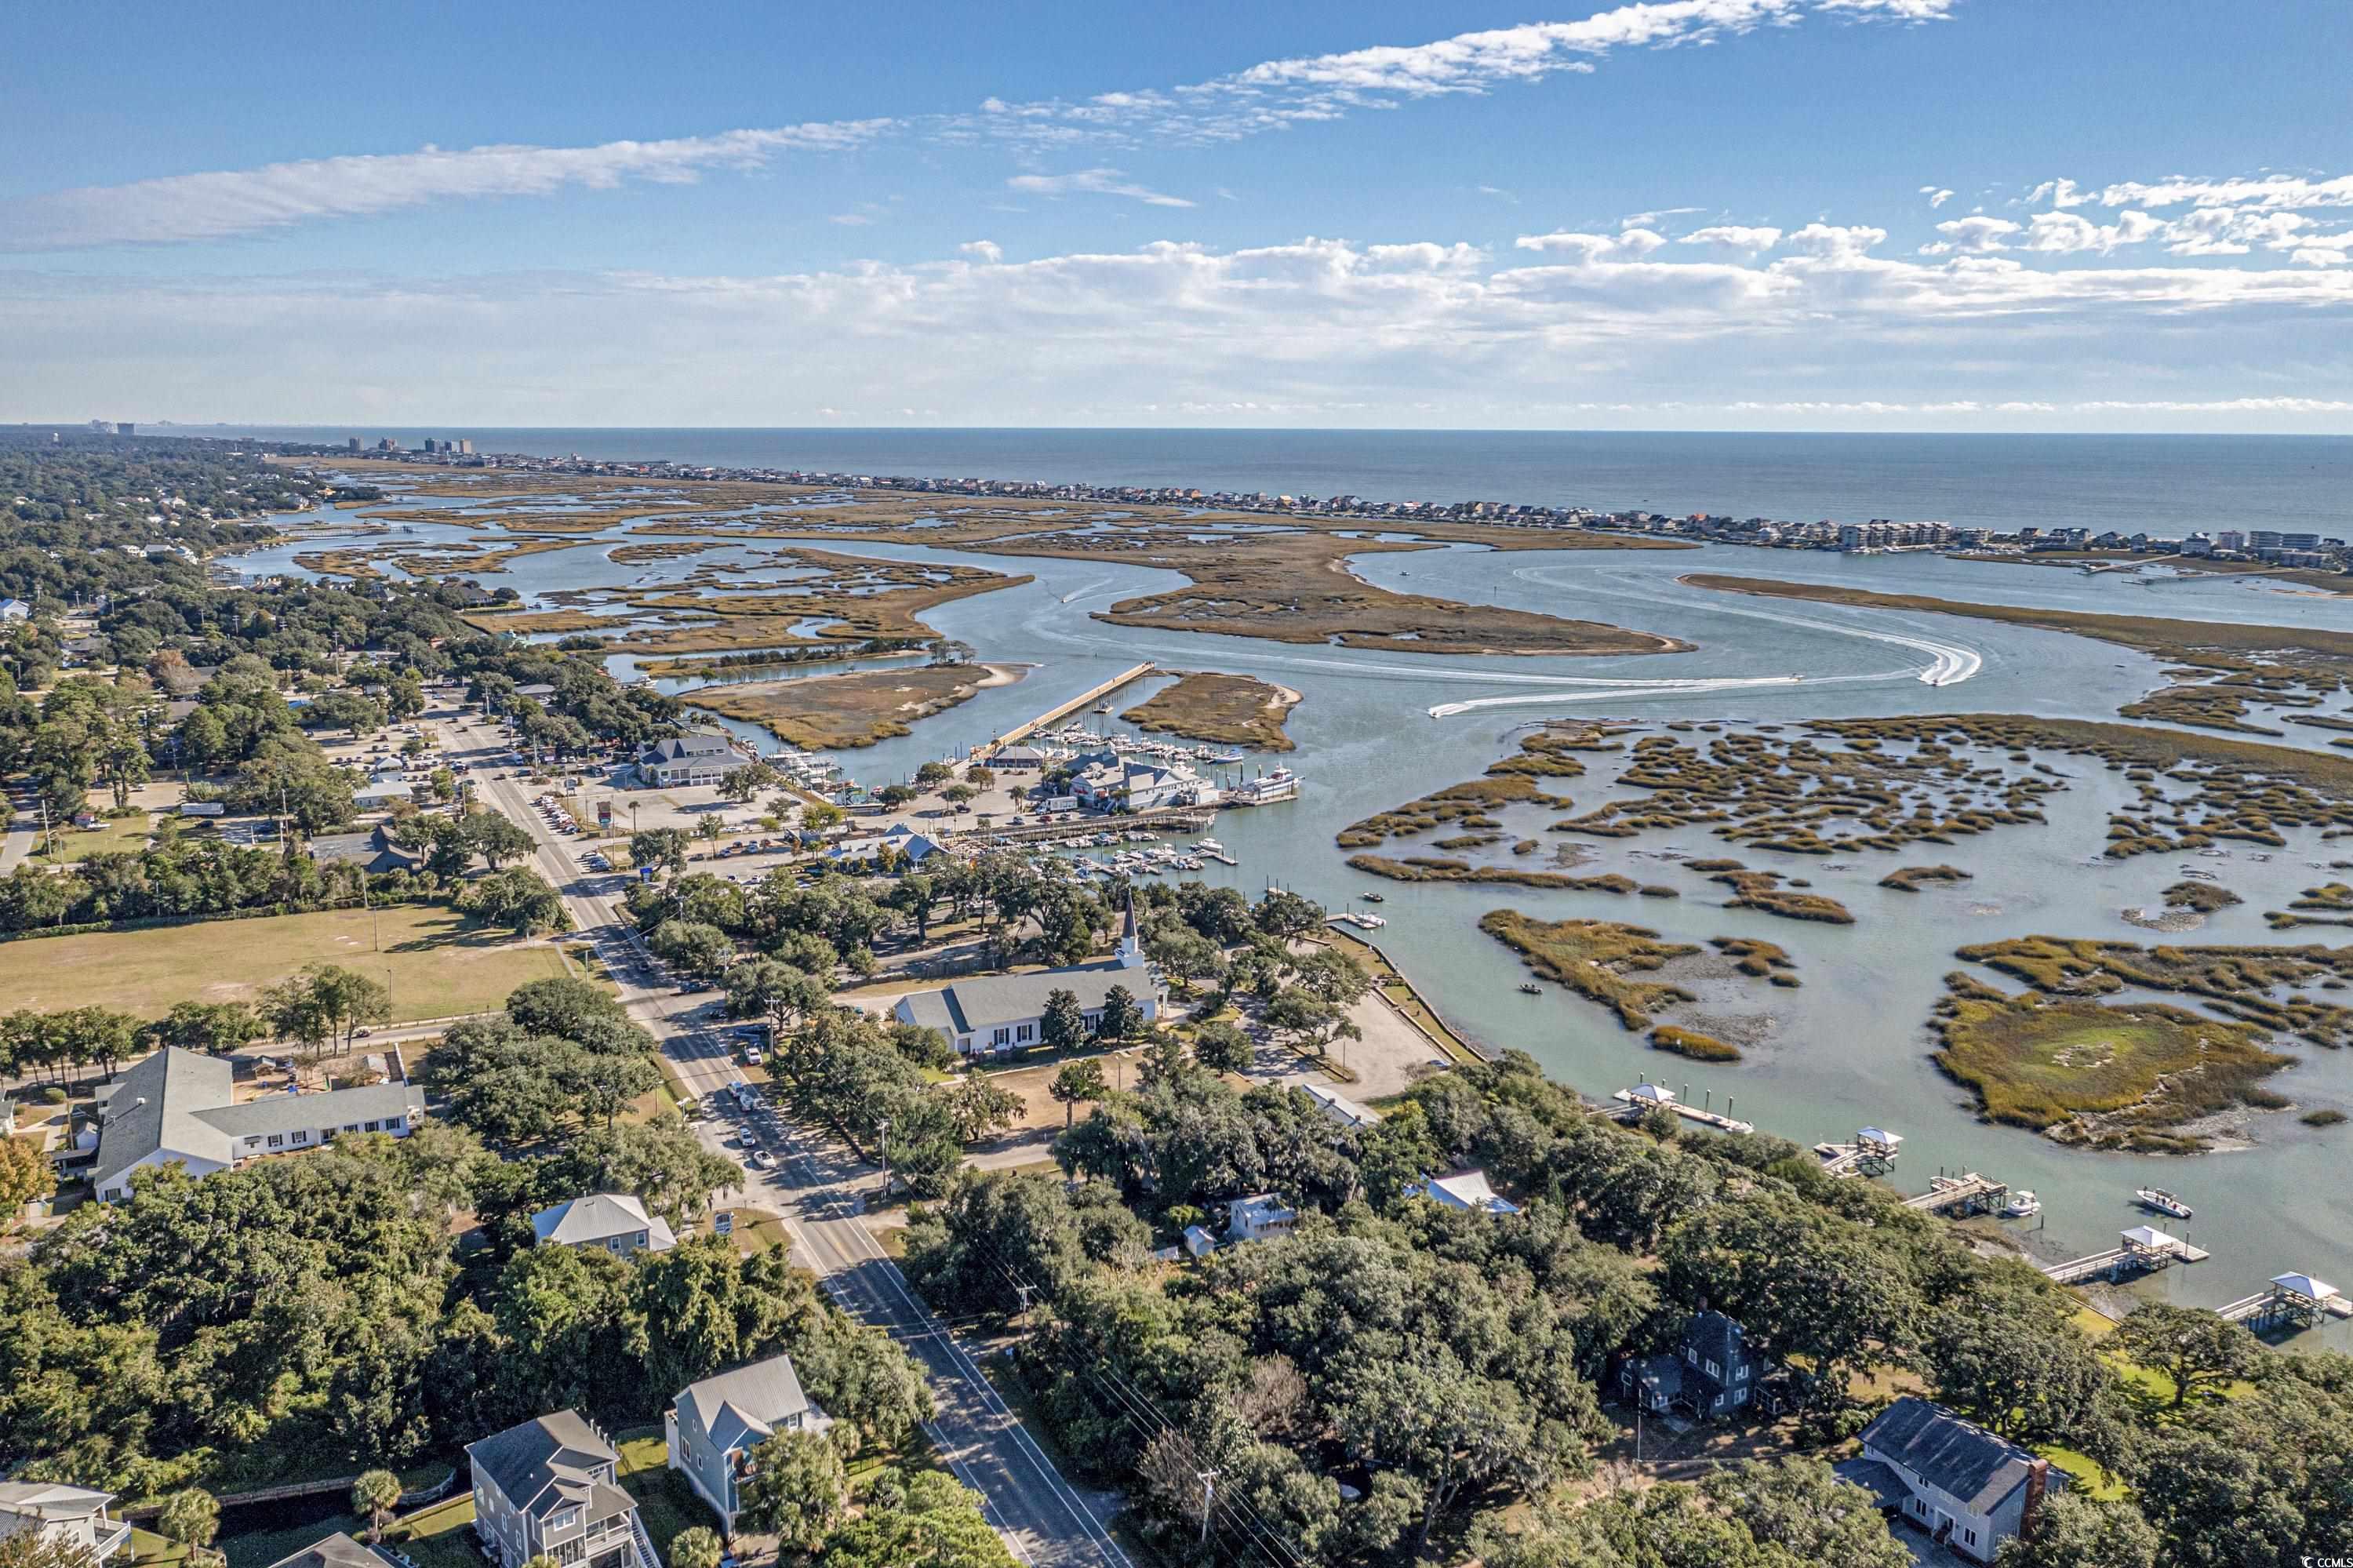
column 191, row 1517
column 695, row 1547
column 375, row 1494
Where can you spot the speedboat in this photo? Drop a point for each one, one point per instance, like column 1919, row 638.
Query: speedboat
column 2164, row 1203
column 2022, row 1206
column 1377, row 898
column 1531, row 988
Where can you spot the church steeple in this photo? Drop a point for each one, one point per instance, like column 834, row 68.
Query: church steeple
column 1131, row 943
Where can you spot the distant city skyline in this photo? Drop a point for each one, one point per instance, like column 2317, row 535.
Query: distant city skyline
column 1900, row 215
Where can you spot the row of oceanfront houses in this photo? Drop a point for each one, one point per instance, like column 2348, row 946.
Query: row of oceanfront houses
column 2277, row 546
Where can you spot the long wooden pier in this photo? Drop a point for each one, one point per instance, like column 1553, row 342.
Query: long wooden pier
column 1054, row 714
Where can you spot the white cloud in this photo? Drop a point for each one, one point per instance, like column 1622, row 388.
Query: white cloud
column 1938, row 195
column 983, row 249
column 213, row 205
column 1271, row 96
column 1742, row 239
column 1093, row 181
column 2231, row 405
column 2067, row 233
column 1975, row 236
column 1586, row 250
column 1830, row 242
column 1655, row 219
column 2234, row 231
column 2269, row 193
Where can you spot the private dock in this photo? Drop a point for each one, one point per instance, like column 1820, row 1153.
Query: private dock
column 2145, row 1250
column 1055, row 715
column 1967, row 1193
column 1872, row 1153
column 1647, row 1097
column 2290, row 1300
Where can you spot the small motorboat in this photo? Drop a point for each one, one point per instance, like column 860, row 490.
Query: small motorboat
column 2022, row 1206
column 1531, row 988
column 2164, row 1203
column 1377, row 898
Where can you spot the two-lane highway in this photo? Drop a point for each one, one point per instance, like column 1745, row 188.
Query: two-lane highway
column 821, row 1189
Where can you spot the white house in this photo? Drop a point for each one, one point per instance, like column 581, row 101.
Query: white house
column 1466, row 1190
column 1966, row 1487
column 1124, row 785
column 182, row 1106
column 994, row 1014
column 1340, row 1108
column 71, row 1516
column 614, row 1221
column 381, row 794
column 715, row 1425
column 14, row 609
column 550, row 1487
column 1258, row 1218
column 690, row 759
column 917, row 847
column 337, row 1550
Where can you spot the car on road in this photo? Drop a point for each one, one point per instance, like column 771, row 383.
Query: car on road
column 751, row 1055
column 763, row 1159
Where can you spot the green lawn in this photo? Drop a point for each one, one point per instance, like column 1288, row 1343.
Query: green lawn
column 68, row 844
column 665, row 1503
column 432, row 962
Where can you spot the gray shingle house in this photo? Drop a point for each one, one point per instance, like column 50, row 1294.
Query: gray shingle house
column 994, row 1014
column 1712, row 1371
column 1968, row 1489
column 337, row 1550
column 715, row 1425
column 690, row 759
column 180, row 1106
column 551, row 1487
column 614, row 1221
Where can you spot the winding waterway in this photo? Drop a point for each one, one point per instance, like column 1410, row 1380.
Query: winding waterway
column 1850, row 1047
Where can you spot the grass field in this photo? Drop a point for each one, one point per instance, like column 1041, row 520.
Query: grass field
column 124, row 836
column 432, row 962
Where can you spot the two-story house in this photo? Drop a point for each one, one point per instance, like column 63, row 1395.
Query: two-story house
column 1260, row 1218
column 614, row 1221
column 715, row 1425
column 550, row 1487
column 75, row 1517
column 1968, row 1489
column 1710, row 1374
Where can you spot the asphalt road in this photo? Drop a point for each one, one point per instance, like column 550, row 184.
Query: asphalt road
column 820, row 1190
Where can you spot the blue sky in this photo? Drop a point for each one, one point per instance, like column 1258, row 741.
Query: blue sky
column 1703, row 214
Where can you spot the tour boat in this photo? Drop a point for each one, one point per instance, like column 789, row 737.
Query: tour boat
column 2164, row 1203
column 2022, row 1206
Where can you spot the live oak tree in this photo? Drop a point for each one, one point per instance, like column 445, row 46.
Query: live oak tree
column 1223, row 1048
column 2199, row 1352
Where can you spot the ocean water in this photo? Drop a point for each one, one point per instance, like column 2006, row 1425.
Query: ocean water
column 2166, row 484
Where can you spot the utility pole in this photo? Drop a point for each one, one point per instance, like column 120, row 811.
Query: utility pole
column 882, row 1144
column 1208, row 1490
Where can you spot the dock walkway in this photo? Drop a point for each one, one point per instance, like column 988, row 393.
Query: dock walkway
column 1968, row 1193
column 1054, row 714
column 1650, row 1097
column 2143, row 1250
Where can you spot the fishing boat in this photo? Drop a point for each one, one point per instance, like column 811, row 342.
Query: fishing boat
column 1377, row 898
column 2164, row 1203
column 2022, row 1206
column 1531, row 988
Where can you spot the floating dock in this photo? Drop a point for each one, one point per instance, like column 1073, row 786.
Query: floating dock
column 1967, row 1193
column 2292, row 1301
column 2145, row 1249
column 1872, row 1153
column 1645, row 1098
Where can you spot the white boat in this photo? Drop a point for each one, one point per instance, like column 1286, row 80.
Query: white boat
column 1212, row 845
column 2022, row 1206
column 2164, row 1203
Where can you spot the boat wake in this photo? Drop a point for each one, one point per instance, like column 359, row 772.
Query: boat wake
column 1073, row 596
